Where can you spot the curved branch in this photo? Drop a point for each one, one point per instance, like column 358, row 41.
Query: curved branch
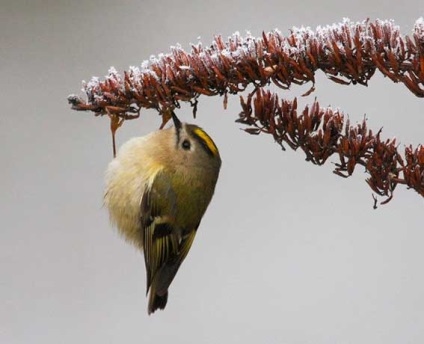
column 348, row 53
column 323, row 132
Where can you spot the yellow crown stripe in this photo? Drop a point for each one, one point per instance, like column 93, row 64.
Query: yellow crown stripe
column 206, row 139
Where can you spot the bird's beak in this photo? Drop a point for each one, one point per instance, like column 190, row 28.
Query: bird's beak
column 177, row 122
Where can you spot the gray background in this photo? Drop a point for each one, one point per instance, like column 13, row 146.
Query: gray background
column 287, row 252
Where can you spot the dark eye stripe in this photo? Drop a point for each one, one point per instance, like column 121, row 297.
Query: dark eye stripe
column 206, row 140
column 204, row 145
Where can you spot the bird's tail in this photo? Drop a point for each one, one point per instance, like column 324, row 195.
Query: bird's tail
column 157, row 301
column 159, row 287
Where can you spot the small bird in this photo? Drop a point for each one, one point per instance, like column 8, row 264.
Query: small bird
column 157, row 190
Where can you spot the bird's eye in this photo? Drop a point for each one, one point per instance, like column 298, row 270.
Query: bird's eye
column 186, row 144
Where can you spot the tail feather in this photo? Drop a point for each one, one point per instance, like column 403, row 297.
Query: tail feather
column 157, row 301
column 159, row 287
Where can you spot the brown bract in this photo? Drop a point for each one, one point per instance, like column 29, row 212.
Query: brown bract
column 323, row 132
column 348, row 53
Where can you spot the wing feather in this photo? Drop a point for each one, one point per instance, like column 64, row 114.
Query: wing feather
column 165, row 246
column 160, row 239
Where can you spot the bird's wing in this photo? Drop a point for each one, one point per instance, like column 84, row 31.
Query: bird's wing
column 160, row 240
column 165, row 247
column 168, row 270
column 185, row 246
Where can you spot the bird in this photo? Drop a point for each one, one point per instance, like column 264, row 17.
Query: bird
column 158, row 188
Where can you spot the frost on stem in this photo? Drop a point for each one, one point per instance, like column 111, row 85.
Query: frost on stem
column 348, row 53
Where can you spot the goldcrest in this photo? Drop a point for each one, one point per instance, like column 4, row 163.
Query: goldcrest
column 157, row 189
